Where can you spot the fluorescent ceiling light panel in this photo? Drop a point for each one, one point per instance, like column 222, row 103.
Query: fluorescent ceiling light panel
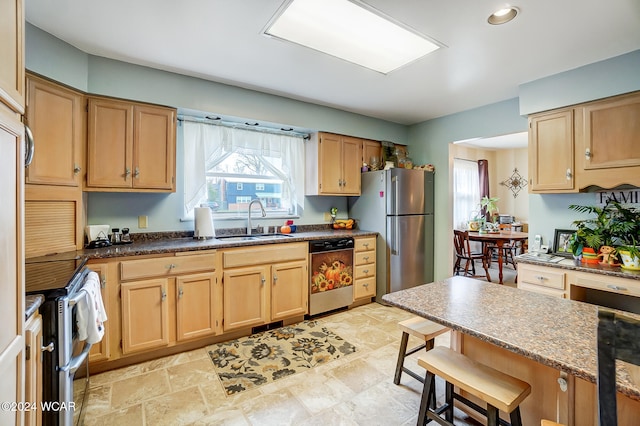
column 350, row 31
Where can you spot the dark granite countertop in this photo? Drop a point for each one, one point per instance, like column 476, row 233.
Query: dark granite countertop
column 31, row 304
column 569, row 264
column 557, row 332
column 172, row 242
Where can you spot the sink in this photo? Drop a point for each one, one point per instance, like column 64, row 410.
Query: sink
column 236, row 237
column 252, row 237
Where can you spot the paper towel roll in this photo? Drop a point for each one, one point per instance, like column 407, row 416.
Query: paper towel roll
column 203, row 227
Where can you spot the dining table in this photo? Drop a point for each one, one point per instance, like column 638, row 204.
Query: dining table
column 548, row 342
column 499, row 238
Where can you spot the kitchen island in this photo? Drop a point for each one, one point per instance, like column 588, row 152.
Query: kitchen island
column 546, row 341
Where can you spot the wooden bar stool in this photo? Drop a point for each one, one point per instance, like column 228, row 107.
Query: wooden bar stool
column 424, row 330
column 500, row 391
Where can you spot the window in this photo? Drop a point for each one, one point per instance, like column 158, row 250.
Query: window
column 466, row 192
column 226, row 168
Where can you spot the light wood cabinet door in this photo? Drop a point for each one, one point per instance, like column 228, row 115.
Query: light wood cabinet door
column 551, row 146
column 195, row 306
column 364, row 277
column 154, row 148
column 351, row 165
column 371, row 149
column 100, row 351
column 610, row 133
column 12, row 54
column 12, row 260
column 289, row 292
column 245, row 301
column 33, row 369
column 109, row 144
column 130, row 147
column 56, row 119
column 145, row 315
column 330, row 160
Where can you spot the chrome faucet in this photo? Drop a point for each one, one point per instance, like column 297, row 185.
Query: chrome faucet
column 264, row 214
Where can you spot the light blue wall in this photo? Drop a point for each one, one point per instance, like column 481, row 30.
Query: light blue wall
column 599, row 80
column 62, row 62
column 429, row 143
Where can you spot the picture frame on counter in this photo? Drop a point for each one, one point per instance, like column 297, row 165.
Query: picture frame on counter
column 561, row 242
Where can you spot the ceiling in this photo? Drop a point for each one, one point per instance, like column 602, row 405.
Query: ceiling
column 222, row 41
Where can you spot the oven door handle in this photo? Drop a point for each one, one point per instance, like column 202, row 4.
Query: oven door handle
column 77, row 297
column 77, row 361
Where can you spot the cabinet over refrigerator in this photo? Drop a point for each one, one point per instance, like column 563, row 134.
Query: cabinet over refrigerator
column 398, row 204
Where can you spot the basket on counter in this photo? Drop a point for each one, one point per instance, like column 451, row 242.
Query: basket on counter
column 344, row 224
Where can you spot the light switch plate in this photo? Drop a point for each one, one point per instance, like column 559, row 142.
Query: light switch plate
column 143, row 222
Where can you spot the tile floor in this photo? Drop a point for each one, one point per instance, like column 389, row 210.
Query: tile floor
column 183, row 389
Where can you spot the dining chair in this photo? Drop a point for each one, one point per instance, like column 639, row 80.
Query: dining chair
column 618, row 339
column 509, row 249
column 464, row 253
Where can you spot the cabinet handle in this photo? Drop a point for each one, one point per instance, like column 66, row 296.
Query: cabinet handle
column 263, row 279
column 103, row 281
column 171, row 266
column 587, row 154
column 136, row 172
column 563, row 384
column 339, row 182
column 568, row 174
column 365, row 285
column 49, row 348
column 540, row 277
column 180, row 293
column 366, row 258
column 366, row 271
column 127, row 172
column 164, row 295
column 366, row 245
column 76, row 169
column 615, row 287
column 275, row 278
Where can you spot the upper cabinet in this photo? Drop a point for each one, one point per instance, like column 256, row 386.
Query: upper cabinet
column 592, row 144
column 608, row 136
column 12, row 54
column 551, row 152
column 55, row 115
column 333, row 165
column 131, row 147
column 371, row 149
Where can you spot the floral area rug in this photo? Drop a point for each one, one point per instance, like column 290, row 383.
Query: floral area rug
column 264, row 357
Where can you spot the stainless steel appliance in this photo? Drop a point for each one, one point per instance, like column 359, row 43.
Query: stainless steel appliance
column 398, row 204
column 330, row 274
column 65, row 375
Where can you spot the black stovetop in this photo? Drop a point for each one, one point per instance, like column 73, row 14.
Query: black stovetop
column 52, row 275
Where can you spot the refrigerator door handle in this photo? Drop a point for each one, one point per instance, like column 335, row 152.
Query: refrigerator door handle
column 394, row 236
column 394, row 194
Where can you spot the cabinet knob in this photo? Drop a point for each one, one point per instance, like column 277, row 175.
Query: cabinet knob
column 366, row 271
column 365, row 285
column 103, row 281
column 366, row 258
column 136, row 172
column 587, row 154
column 127, row 172
column 163, row 296
column 49, row 348
column 569, row 174
column 180, row 293
column 263, row 279
column 76, row 169
column 171, row 266
column 563, row 384
column 541, row 277
column 366, row 245
column 275, row 278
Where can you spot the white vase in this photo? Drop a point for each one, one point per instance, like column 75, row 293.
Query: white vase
column 628, row 261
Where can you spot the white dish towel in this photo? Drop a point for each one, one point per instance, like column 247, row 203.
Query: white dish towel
column 91, row 315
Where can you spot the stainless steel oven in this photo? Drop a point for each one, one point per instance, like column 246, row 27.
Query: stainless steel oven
column 331, row 274
column 65, row 375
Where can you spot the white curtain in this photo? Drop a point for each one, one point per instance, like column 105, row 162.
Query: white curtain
column 206, row 145
column 466, row 191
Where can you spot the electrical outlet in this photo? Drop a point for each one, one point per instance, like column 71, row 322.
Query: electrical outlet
column 327, row 217
column 143, row 222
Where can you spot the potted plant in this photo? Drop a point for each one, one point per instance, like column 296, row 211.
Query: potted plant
column 613, row 225
column 630, row 256
column 489, row 208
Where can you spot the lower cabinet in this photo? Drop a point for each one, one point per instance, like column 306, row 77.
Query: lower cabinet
column 101, row 351
column 264, row 284
column 33, row 369
column 364, row 284
column 543, row 279
column 167, row 300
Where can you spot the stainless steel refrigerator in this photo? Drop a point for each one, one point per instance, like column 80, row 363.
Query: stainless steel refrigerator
column 398, row 204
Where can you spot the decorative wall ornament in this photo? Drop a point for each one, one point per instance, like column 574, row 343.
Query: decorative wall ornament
column 515, row 182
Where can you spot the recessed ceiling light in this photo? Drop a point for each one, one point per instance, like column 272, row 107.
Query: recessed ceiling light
column 350, row 30
column 503, row 16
